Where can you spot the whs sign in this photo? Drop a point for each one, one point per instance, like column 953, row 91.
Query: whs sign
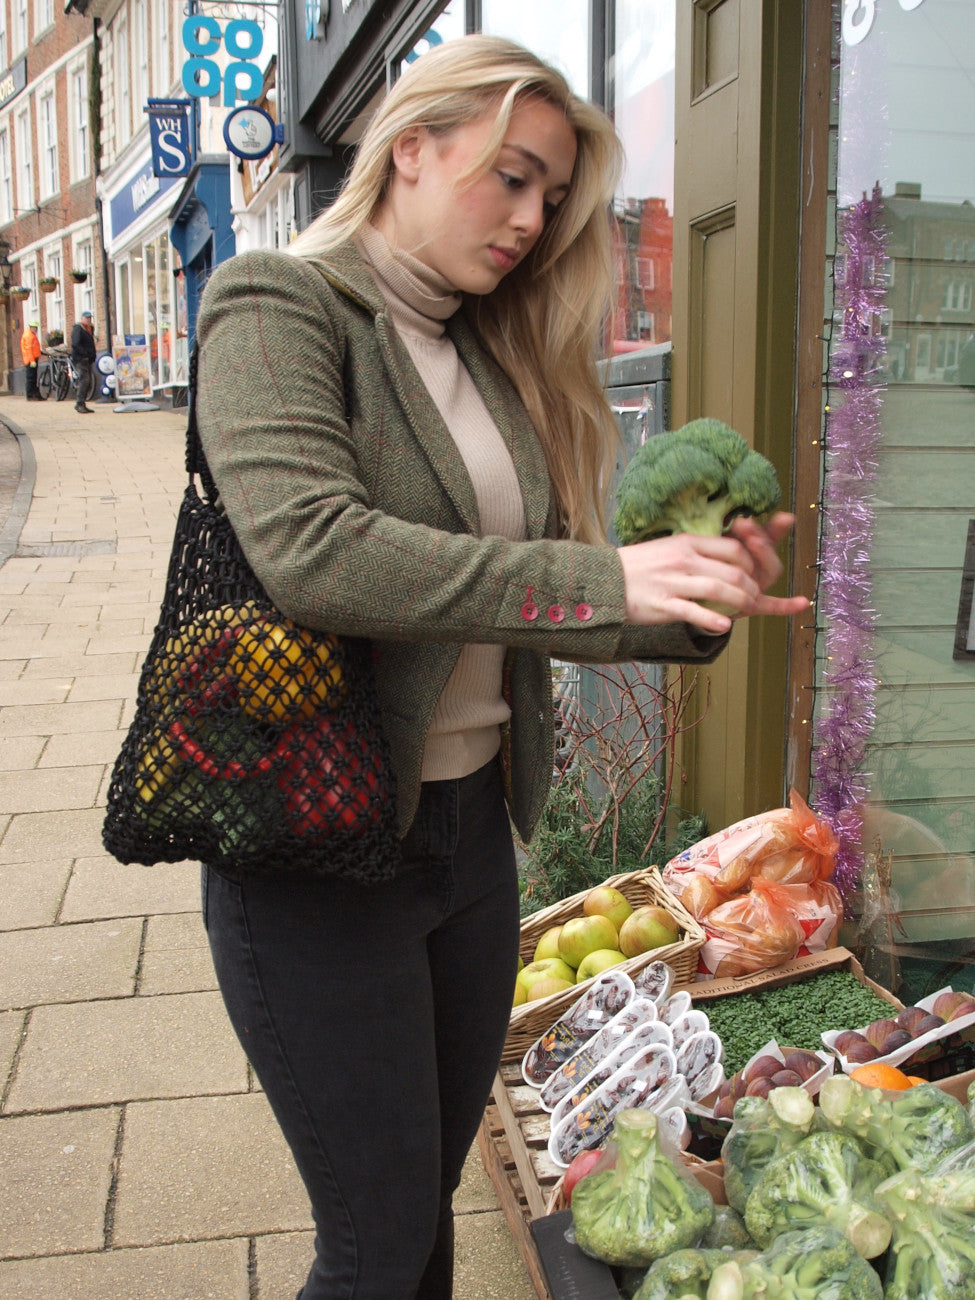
column 171, row 135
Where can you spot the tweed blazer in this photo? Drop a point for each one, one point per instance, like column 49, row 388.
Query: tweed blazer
column 355, row 509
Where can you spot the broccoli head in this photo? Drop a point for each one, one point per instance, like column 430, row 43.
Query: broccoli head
column 695, row 479
column 762, row 1129
column 933, row 1215
column 727, row 1229
column 910, row 1129
column 810, row 1264
column 825, row 1181
column 687, row 1274
column 643, row 1207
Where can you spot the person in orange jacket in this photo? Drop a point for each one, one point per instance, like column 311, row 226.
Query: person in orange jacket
column 30, row 350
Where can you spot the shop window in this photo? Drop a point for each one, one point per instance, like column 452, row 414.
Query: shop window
column 556, row 30
column 6, row 178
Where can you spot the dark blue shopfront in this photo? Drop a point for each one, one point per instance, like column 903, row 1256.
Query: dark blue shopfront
column 201, row 229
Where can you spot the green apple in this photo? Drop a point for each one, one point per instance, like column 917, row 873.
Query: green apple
column 548, row 944
column 521, row 994
column 546, row 987
column 597, row 962
column 547, row 968
column 604, row 900
column 649, row 927
column 582, row 935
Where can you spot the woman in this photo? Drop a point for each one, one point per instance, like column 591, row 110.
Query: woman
column 406, row 426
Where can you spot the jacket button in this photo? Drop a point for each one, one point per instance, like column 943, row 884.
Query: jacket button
column 556, row 613
column 584, row 612
column 529, row 611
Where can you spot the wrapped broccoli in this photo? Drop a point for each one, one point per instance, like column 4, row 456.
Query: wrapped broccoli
column 762, row 1129
column 686, row 1274
column 645, row 1206
column 824, row 1181
column 933, row 1214
column 909, row 1130
column 727, row 1229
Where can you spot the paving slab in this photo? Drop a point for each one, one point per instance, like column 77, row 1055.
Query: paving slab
column 205, row 1167
column 11, row 1033
column 57, row 1171
column 32, row 893
column 206, row 1270
column 30, row 836
column 20, row 752
column 69, row 963
column 174, row 1045
column 59, row 719
column 49, row 789
column 176, row 955
column 487, row 1263
column 101, row 887
column 99, row 747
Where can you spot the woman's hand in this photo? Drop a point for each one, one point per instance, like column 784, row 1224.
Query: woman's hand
column 667, row 579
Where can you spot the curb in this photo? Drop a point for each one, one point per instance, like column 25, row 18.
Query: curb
column 20, row 506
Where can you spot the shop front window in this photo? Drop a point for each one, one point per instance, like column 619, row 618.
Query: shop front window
column 556, row 30
column 894, row 753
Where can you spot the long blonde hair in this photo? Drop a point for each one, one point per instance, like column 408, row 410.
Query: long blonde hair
column 543, row 322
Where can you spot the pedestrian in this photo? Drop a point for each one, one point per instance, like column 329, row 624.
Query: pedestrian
column 404, row 419
column 83, row 354
column 30, row 351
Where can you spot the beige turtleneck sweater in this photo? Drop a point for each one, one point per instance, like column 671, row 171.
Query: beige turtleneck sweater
column 464, row 733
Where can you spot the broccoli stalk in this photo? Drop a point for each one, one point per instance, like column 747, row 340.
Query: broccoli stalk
column 933, row 1215
column 762, row 1129
column 909, row 1129
column 695, row 479
column 824, row 1181
column 642, row 1208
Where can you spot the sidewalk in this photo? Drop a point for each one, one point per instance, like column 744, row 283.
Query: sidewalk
column 138, row 1157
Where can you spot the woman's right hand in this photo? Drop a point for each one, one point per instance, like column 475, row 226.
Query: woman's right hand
column 667, row 579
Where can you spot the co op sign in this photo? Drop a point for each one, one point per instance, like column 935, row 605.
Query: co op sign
column 203, row 77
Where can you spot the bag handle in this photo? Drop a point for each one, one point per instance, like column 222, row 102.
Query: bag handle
column 196, row 461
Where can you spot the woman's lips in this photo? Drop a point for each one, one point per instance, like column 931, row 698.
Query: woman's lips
column 504, row 258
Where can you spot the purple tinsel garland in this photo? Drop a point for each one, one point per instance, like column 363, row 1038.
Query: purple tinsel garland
column 853, row 439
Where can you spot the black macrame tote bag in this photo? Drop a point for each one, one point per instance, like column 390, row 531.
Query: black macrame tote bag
column 256, row 745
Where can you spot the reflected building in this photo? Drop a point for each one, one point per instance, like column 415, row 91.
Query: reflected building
column 645, row 252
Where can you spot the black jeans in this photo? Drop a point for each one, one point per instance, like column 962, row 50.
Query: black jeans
column 374, row 1018
column 83, row 382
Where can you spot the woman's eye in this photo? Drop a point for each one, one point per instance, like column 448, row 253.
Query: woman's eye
column 512, row 182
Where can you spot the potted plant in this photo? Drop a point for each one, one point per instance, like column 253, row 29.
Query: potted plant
column 19, row 292
column 79, row 277
column 54, row 338
column 48, row 283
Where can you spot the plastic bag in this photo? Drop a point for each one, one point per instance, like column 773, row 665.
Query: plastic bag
column 791, row 845
column 756, row 931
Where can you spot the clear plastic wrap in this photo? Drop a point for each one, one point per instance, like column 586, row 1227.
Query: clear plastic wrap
column 605, row 996
column 640, row 1012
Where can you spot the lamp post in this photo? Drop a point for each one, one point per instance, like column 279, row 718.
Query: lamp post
column 5, row 271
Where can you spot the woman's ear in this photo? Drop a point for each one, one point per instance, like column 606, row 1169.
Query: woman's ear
column 407, row 149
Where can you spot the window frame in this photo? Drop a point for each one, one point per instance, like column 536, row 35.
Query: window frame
column 79, row 123
column 48, row 145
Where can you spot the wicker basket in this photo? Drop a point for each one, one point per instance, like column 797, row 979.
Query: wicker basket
column 531, row 1019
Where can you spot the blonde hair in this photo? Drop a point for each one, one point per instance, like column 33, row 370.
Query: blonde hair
column 543, row 322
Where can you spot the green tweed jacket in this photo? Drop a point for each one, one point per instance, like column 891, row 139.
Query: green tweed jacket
column 355, row 509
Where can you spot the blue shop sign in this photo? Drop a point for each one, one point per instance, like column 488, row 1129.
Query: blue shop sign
column 132, row 200
column 171, row 136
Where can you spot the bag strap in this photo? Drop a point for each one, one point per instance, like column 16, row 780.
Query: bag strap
column 196, row 461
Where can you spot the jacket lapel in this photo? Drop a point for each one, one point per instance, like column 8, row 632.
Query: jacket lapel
column 347, row 273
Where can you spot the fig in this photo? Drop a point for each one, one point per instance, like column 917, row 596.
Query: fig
column 846, row 1040
column 763, row 1067
column 927, row 1024
column 860, row 1053
column 963, row 1009
column 786, row 1079
column 895, row 1039
column 876, row 1032
column 738, row 1086
column 725, row 1089
column 724, row 1108
column 760, row 1087
column 946, row 1003
column 909, row 1017
column 805, row 1064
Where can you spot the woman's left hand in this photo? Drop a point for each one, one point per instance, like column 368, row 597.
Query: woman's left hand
column 760, row 541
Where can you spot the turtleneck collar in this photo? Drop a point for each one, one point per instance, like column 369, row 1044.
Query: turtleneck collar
column 404, row 277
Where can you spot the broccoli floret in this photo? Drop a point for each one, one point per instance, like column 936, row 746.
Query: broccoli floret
column 727, row 1230
column 933, row 1215
column 642, row 1208
column 811, row 1264
column 688, row 1274
column 695, row 479
column 912, row 1128
column 762, row 1129
column 824, row 1181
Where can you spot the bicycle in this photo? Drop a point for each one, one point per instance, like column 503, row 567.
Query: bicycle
column 55, row 377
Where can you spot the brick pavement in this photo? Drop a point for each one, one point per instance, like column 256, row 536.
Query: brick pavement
column 138, row 1157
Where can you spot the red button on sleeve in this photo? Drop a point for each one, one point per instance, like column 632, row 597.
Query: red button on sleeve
column 584, row 612
column 529, row 611
column 556, row 613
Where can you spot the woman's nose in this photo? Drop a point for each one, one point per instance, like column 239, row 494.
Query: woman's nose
column 529, row 216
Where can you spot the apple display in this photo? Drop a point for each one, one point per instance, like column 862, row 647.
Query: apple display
column 582, row 935
column 548, row 944
column 546, row 987
column 604, row 900
column 649, row 927
column 521, row 994
column 597, row 962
